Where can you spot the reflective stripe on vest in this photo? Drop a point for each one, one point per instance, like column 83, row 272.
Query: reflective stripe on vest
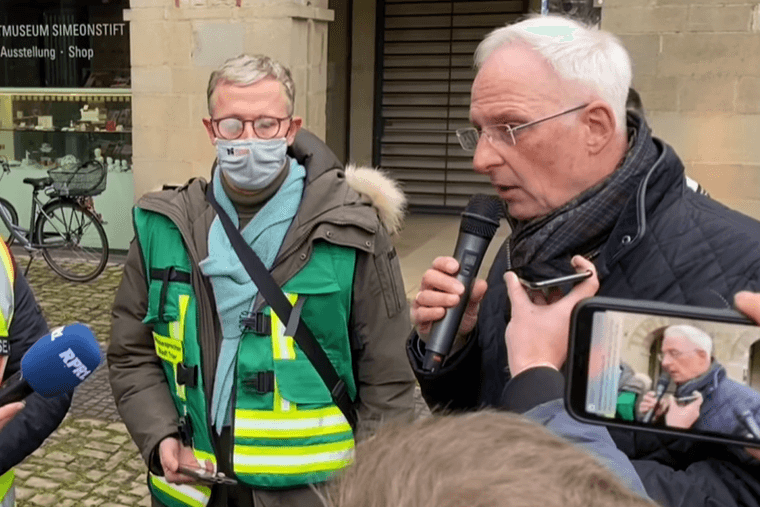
column 297, row 424
column 177, row 332
column 185, row 494
column 7, row 277
column 171, row 349
column 293, row 460
column 7, row 491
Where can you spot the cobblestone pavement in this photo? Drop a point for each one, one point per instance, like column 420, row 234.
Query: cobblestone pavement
column 90, row 460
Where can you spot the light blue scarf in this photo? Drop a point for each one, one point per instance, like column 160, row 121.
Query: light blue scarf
column 234, row 290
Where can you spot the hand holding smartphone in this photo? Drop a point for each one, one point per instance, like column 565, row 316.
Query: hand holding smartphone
column 533, row 278
column 206, row 477
column 714, row 391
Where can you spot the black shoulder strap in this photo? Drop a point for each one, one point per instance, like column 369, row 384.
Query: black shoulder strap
column 282, row 307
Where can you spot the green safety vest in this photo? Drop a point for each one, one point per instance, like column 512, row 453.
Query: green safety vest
column 7, row 278
column 286, row 430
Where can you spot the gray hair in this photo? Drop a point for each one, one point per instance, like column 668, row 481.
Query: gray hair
column 699, row 338
column 594, row 58
column 246, row 70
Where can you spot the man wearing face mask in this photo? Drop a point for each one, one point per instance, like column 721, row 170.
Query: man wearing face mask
column 204, row 373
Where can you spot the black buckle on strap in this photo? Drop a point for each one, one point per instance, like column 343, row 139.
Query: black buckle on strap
column 262, row 382
column 170, row 274
column 185, row 429
column 339, row 390
column 258, row 322
column 187, row 375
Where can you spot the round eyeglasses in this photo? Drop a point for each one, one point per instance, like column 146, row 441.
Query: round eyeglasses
column 264, row 127
column 505, row 132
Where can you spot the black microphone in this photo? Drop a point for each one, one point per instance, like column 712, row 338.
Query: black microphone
column 748, row 419
column 662, row 384
column 480, row 220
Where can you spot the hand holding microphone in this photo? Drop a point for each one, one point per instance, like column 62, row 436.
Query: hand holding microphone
column 56, row 364
column 651, row 404
column 447, row 303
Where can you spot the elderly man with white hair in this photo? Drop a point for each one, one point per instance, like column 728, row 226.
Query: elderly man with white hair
column 580, row 177
column 717, row 403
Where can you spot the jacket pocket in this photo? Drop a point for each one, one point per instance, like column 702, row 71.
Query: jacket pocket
column 297, row 379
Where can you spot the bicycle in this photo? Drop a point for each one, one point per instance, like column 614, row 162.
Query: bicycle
column 66, row 229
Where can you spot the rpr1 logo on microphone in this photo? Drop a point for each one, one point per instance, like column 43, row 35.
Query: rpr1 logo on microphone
column 72, row 361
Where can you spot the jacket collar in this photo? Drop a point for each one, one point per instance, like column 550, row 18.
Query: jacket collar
column 659, row 187
column 705, row 383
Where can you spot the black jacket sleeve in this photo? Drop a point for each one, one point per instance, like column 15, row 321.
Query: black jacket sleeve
column 41, row 416
column 532, row 388
column 456, row 385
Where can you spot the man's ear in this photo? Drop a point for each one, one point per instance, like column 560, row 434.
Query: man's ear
column 295, row 126
column 209, row 129
column 599, row 119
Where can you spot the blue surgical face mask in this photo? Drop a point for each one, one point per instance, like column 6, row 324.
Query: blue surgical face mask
column 251, row 164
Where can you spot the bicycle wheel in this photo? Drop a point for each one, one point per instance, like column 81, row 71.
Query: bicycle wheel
column 9, row 212
column 73, row 241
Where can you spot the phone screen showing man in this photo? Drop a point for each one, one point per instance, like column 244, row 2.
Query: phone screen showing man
column 671, row 372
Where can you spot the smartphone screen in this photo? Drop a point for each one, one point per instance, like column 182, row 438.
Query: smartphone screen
column 667, row 368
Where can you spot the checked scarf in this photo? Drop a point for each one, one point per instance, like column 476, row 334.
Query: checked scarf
column 583, row 225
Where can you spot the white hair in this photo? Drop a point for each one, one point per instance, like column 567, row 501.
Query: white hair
column 245, row 70
column 696, row 336
column 594, row 58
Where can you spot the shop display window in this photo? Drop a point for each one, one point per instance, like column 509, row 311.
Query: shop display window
column 46, row 128
column 65, row 91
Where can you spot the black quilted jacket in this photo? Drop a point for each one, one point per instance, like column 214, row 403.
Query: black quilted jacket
column 670, row 244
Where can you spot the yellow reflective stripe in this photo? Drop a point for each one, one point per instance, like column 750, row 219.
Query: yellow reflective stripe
column 196, row 496
column 291, row 428
column 5, row 256
column 3, row 326
column 177, row 333
column 293, row 460
column 6, row 482
column 6, row 290
column 296, row 414
column 282, row 346
column 296, row 452
column 280, row 403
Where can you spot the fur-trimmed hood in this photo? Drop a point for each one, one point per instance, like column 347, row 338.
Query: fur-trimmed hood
column 384, row 193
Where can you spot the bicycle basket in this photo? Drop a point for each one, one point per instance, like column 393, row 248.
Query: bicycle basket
column 86, row 179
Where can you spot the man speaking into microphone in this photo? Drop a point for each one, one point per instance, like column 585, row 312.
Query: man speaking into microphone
column 26, row 424
column 580, row 177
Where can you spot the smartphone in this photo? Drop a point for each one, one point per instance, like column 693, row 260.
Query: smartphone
column 620, row 350
column 685, row 400
column 206, row 477
column 531, row 278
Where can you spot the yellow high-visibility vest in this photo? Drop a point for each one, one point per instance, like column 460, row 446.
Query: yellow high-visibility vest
column 7, row 279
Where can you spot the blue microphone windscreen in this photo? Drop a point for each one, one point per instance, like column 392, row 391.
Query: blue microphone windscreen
column 60, row 361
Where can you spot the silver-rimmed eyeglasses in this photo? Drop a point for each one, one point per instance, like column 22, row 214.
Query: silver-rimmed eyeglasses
column 675, row 354
column 504, row 132
column 264, row 127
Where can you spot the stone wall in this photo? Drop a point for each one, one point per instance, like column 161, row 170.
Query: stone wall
column 697, row 67
column 175, row 44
